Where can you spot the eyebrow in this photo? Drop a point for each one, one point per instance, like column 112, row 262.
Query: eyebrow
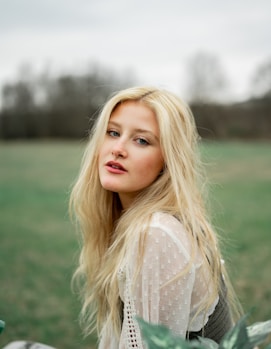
column 140, row 130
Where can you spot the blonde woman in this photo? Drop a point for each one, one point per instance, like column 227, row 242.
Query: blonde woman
column 148, row 248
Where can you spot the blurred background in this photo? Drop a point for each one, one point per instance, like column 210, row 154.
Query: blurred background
column 60, row 61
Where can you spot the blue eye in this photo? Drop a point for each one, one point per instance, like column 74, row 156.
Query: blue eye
column 113, row 133
column 142, row 141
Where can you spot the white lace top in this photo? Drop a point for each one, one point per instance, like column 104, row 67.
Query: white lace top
column 152, row 297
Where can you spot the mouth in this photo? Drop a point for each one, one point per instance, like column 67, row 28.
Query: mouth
column 115, row 166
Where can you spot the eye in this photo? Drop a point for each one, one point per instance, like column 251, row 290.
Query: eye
column 142, row 141
column 113, row 133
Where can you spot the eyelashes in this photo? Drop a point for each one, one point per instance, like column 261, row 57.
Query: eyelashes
column 138, row 139
column 142, row 141
column 113, row 133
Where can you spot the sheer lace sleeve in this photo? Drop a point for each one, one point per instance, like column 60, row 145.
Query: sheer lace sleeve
column 153, row 295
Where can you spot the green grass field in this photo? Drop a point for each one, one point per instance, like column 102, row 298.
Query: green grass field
column 38, row 246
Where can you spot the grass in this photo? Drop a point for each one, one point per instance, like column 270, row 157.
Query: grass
column 243, row 212
column 38, row 246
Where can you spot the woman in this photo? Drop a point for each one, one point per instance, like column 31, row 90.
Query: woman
column 148, row 248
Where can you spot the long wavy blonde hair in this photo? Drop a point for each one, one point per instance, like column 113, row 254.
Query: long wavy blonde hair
column 107, row 230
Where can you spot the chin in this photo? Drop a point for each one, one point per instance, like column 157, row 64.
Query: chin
column 110, row 186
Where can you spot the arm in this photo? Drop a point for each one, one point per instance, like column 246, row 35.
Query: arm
column 152, row 295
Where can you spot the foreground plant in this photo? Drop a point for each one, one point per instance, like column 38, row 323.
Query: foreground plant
column 2, row 325
column 239, row 337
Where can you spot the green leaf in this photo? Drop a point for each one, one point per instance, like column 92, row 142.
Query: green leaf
column 208, row 343
column 201, row 343
column 159, row 336
column 237, row 337
column 258, row 332
column 2, row 325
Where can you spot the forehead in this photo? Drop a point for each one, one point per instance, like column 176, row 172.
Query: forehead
column 134, row 112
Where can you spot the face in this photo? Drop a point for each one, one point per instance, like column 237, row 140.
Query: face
column 130, row 158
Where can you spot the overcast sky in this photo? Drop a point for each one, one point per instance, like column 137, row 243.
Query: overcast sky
column 153, row 39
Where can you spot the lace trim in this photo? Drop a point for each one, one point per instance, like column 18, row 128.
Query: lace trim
column 201, row 320
column 133, row 337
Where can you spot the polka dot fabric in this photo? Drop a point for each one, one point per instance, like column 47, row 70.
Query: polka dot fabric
column 167, row 289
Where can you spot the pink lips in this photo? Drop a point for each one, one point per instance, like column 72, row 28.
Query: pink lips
column 115, row 167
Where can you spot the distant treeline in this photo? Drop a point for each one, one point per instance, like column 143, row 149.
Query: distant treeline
column 66, row 106
column 247, row 120
column 59, row 107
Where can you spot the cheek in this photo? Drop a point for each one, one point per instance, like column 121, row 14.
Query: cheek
column 152, row 165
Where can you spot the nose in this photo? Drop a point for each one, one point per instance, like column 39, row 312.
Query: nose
column 119, row 149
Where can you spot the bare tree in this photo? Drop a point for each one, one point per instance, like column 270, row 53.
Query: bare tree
column 261, row 80
column 42, row 105
column 206, row 79
column 18, row 110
